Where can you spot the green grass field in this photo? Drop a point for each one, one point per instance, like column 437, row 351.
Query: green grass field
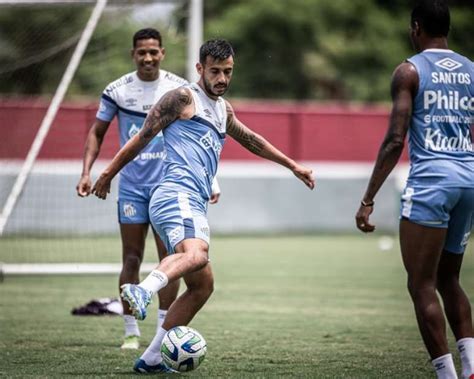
column 302, row 307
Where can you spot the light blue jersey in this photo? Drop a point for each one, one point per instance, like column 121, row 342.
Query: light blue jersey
column 440, row 136
column 440, row 186
column 194, row 146
column 178, row 208
column 130, row 99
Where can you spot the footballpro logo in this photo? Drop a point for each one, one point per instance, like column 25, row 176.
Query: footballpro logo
column 451, row 100
column 436, row 141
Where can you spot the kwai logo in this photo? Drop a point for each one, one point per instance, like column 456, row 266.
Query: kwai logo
column 448, row 64
column 436, row 141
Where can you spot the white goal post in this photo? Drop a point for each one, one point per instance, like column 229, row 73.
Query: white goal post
column 194, row 40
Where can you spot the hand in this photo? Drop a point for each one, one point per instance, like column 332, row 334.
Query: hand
column 305, row 175
column 214, row 198
column 83, row 188
column 102, row 186
column 362, row 218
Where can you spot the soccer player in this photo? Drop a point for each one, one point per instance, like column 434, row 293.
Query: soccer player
column 129, row 98
column 433, row 101
column 195, row 120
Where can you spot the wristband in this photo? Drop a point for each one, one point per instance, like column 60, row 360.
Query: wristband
column 367, row 204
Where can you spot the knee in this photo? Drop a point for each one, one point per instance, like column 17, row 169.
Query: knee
column 131, row 262
column 446, row 283
column 420, row 288
column 199, row 259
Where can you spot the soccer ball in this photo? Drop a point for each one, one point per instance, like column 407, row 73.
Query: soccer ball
column 183, row 348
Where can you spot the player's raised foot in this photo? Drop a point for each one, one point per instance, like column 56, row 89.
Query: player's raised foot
column 137, row 298
column 141, row 367
column 130, row 343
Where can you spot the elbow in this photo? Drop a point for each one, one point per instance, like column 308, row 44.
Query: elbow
column 394, row 145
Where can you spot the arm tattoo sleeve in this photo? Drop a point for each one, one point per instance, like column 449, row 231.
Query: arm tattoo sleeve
column 167, row 110
column 243, row 135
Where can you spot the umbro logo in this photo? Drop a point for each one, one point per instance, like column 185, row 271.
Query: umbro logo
column 448, row 64
column 208, row 112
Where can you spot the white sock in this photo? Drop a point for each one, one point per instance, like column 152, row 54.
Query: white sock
column 131, row 326
column 444, row 367
column 161, row 318
column 155, row 281
column 152, row 354
column 466, row 352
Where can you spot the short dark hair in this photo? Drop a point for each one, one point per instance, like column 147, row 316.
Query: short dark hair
column 217, row 49
column 146, row 33
column 432, row 16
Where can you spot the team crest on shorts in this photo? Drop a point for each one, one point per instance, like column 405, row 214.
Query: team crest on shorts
column 465, row 238
column 129, row 210
column 174, row 234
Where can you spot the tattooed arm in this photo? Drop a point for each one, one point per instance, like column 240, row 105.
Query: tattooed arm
column 170, row 107
column 404, row 88
column 261, row 147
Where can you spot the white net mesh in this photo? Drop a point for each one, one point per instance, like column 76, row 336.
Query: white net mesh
column 49, row 223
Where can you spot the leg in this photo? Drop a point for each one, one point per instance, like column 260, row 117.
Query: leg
column 456, row 303
column 421, row 248
column 190, row 255
column 200, row 285
column 133, row 245
column 168, row 294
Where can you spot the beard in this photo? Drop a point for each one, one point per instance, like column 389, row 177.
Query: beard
column 210, row 89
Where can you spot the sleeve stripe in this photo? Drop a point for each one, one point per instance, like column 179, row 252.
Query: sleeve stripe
column 109, row 99
column 133, row 113
column 124, row 110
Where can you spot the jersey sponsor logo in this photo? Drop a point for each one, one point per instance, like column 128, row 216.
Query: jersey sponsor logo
column 124, row 80
column 450, row 78
column 175, row 78
column 449, row 118
column 129, row 210
column 436, row 141
column 452, row 100
column 148, row 156
column 448, row 64
column 209, row 142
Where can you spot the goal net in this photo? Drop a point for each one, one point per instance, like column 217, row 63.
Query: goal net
column 56, row 57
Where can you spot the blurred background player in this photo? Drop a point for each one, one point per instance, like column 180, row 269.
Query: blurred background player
column 130, row 98
column 195, row 120
column 433, row 100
